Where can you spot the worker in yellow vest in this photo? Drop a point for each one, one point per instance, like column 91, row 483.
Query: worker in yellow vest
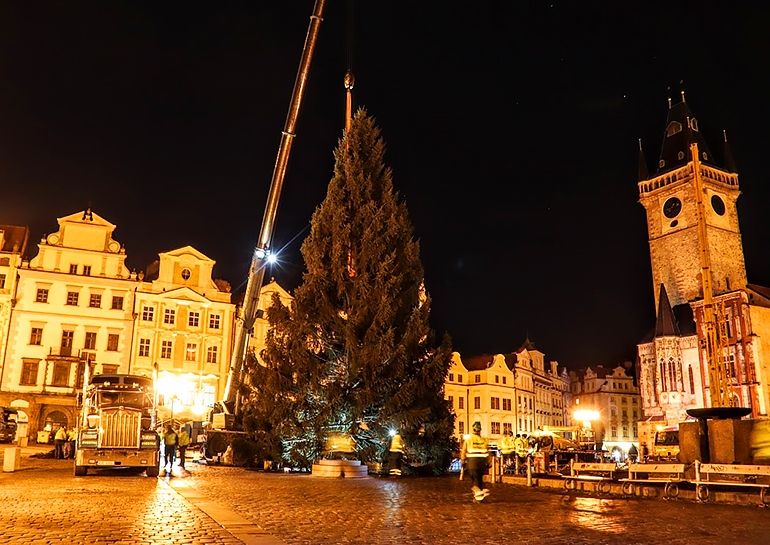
column 507, row 449
column 184, row 442
column 522, row 449
column 475, row 452
column 396, row 454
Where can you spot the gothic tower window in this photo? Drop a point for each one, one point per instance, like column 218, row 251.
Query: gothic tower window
column 692, row 381
column 672, row 374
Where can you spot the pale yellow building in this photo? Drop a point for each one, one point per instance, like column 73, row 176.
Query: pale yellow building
column 507, row 392
column 258, row 338
column 73, row 304
column 613, row 399
column 184, row 321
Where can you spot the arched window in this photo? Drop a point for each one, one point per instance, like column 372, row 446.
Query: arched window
column 672, row 374
column 692, row 381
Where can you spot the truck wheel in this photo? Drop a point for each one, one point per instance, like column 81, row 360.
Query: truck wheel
column 153, row 471
column 628, row 488
column 702, row 492
column 671, row 491
column 81, row 471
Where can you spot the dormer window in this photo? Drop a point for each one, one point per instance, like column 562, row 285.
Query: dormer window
column 673, row 128
column 186, row 274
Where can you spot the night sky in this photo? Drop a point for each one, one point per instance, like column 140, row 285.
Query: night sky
column 511, row 128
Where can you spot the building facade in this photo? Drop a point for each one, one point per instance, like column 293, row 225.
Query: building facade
column 612, row 396
column 507, row 392
column 184, row 319
column 673, row 365
column 73, row 306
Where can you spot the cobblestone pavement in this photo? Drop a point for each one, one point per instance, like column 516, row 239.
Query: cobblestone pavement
column 44, row 503
column 302, row 509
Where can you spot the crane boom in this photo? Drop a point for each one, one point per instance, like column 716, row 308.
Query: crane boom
column 248, row 311
column 713, row 315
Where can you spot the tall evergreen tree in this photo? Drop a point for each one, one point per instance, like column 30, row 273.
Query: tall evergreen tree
column 355, row 352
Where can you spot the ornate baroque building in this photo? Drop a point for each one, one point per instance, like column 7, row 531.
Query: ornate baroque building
column 673, row 368
column 507, row 392
column 76, row 303
column 612, row 394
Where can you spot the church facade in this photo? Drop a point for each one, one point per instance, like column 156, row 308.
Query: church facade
column 673, row 368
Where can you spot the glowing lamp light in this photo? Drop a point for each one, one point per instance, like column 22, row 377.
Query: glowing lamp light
column 261, row 253
column 586, row 415
column 392, row 433
column 272, row 258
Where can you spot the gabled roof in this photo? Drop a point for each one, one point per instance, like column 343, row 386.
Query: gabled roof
column 478, row 363
column 15, row 238
column 88, row 217
column 184, row 293
column 187, row 250
column 681, row 130
column 665, row 325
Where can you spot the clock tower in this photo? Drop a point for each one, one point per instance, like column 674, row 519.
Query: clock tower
column 669, row 198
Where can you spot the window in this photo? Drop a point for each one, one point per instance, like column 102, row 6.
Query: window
column 625, row 413
column 169, row 316
column 86, row 270
column 112, row 342
column 72, row 298
column 165, row 350
column 625, row 432
column 117, row 302
column 109, row 369
column 636, row 414
column 61, row 373
column 90, row 343
column 519, row 401
column 461, row 427
column 191, row 352
column 530, row 404
column 211, row 354
column 36, row 337
column 29, row 372
column 497, row 379
column 459, row 378
column 214, row 323
column 95, row 301
column 477, row 403
column 478, row 378
column 614, row 432
column 692, row 382
column 633, row 400
column 42, row 295
column 613, row 411
column 144, row 348
column 504, row 380
column 186, row 274
column 451, row 400
column 506, row 403
column 451, row 377
column 193, row 320
column 148, row 314
column 495, row 403
column 66, row 342
column 495, row 428
column 624, row 400
column 73, row 268
column 507, row 427
column 2, row 281
column 461, row 403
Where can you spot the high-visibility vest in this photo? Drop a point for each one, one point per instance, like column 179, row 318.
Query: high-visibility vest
column 170, row 438
column 507, row 445
column 476, row 446
column 184, row 439
column 397, row 444
column 61, row 435
column 521, row 446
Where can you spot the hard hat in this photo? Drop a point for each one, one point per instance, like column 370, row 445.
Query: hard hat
column 476, row 426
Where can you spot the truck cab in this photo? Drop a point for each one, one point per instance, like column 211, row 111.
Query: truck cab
column 117, row 425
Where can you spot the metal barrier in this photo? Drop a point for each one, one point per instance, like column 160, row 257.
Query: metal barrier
column 704, row 474
column 670, row 474
column 602, row 474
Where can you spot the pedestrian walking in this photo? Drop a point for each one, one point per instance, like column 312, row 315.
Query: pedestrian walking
column 395, row 455
column 184, row 442
column 170, row 441
column 476, row 452
column 58, row 443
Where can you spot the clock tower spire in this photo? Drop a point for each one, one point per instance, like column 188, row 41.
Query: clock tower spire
column 669, row 198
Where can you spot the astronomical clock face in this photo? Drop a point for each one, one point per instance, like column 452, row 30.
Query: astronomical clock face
column 718, row 205
column 672, row 207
